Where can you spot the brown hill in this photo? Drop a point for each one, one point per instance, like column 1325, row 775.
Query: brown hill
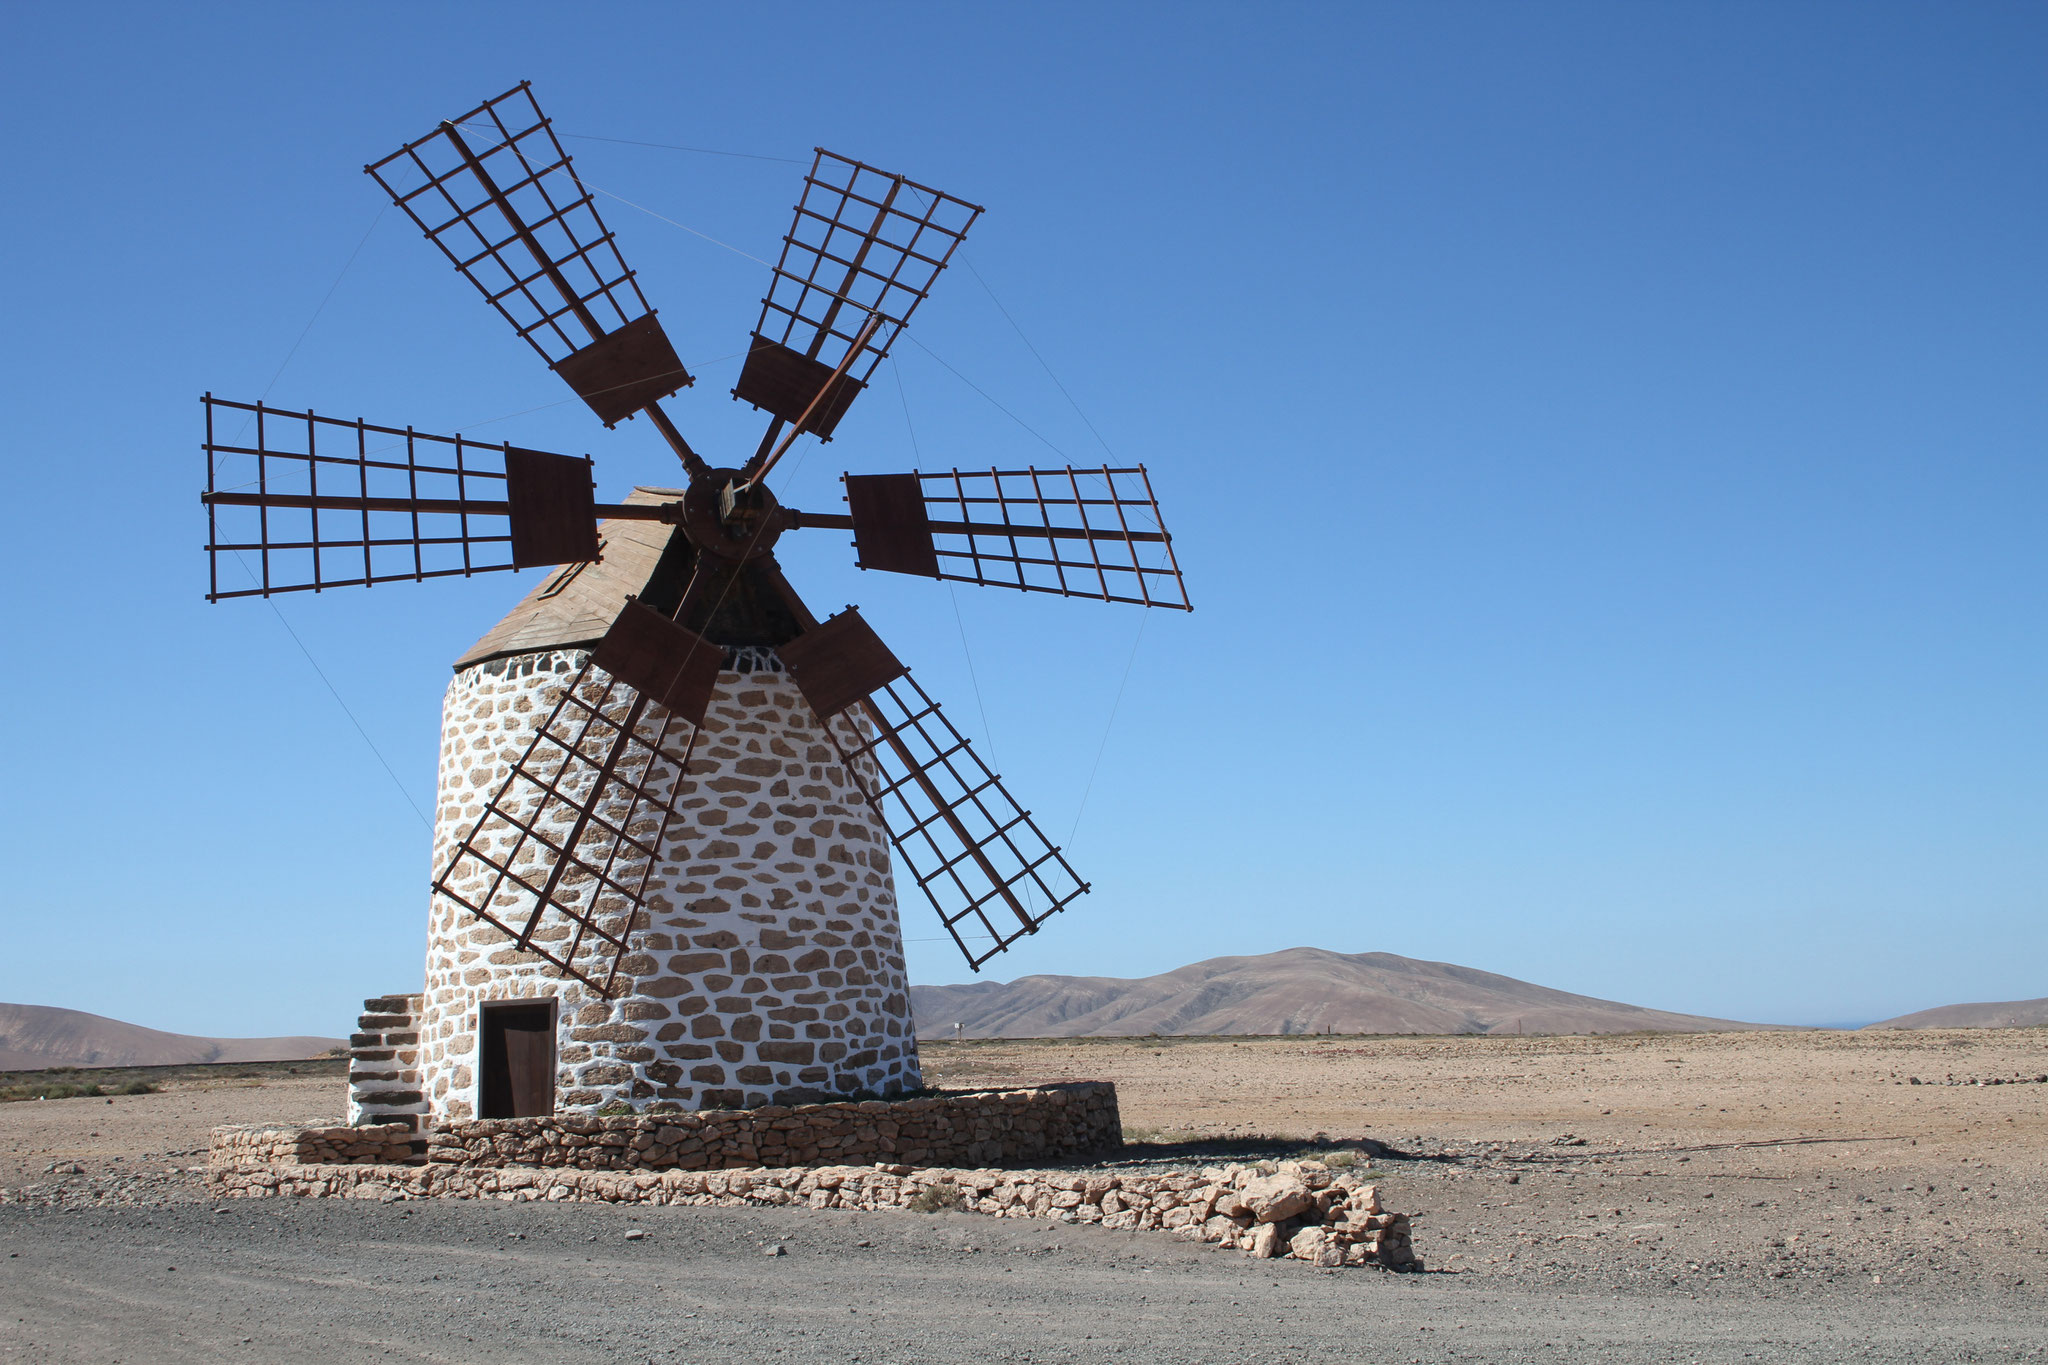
column 36, row 1036
column 1300, row 990
column 1990, row 1014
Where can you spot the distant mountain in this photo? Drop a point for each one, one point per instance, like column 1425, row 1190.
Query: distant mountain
column 1300, row 990
column 36, row 1036
column 1991, row 1014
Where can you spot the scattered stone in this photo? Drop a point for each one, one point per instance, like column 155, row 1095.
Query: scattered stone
column 776, row 1250
column 634, row 1234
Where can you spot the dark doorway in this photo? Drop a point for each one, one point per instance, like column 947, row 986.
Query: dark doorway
column 517, row 1078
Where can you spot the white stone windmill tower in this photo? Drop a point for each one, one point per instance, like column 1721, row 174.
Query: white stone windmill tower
column 668, row 791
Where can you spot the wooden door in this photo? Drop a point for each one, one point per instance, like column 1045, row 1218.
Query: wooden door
column 517, row 1078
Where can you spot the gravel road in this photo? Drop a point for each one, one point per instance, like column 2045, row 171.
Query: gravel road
column 335, row 1281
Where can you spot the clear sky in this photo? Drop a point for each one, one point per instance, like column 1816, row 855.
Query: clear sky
column 1606, row 444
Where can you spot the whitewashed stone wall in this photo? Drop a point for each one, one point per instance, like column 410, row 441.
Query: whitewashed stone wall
column 769, row 965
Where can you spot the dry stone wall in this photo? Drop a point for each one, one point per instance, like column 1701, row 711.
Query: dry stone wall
column 769, row 967
column 1298, row 1210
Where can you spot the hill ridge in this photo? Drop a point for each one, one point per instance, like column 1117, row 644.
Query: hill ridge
column 1295, row 990
column 35, row 1037
column 1977, row 1014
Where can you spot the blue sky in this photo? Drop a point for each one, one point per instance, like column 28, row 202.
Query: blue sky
column 1605, row 442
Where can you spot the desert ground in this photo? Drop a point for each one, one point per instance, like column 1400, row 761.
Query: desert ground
column 1758, row 1196
column 1690, row 1158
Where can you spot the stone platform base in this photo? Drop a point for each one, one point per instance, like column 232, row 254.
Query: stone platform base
column 974, row 1128
column 1300, row 1210
column 1063, row 1122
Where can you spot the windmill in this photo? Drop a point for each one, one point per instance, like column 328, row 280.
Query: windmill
column 596, row 921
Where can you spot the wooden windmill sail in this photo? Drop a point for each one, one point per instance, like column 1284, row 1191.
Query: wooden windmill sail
column 308, row 503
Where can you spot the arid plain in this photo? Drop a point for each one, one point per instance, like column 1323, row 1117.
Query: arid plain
column 1637, row 1198
column 1687, row 1159
column 1692, row 1158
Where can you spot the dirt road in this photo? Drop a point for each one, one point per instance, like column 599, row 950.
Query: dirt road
column 337, row 1281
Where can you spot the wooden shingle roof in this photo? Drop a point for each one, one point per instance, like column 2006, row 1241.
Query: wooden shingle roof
column 574, row 605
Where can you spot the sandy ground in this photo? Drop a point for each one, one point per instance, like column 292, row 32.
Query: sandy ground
column 1684, row 1158
column 138, row 1137
column 1710, row 1197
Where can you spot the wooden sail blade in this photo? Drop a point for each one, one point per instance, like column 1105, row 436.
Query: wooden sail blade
column 496, row 193
column 838, row 662
column 662, row 660
column 297, row 502
column 1077, row 532
column 978, row 856
column 560, row 857
column 552, row 508
column 866, row 244
column 891, row 529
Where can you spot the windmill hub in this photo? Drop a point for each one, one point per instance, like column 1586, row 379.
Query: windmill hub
column 724, row 517
column 669, row 792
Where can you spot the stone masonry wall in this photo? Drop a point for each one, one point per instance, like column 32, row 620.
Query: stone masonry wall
column 1062, row 1122
column 255, row 1146
column 1044, row 1123
column 384, row 1063
column 769, row 967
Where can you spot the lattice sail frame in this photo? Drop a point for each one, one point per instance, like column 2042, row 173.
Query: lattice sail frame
column 978, row 856
column 564, row 849
column 298, row 455
column 864, row 241
column 432, row 181
column 1108, row 540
